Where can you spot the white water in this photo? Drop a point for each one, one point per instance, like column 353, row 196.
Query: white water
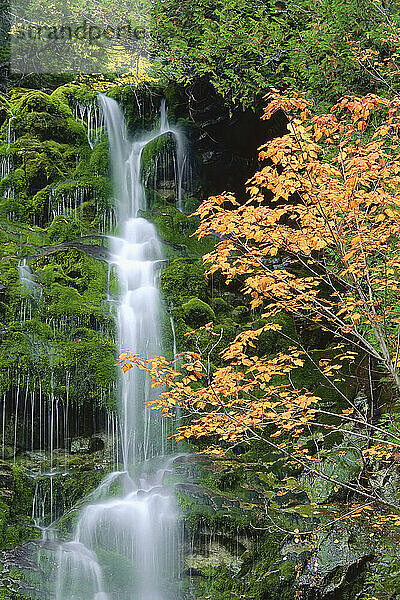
column 124, row 547
column 137, row 256
column 27, row 278
column 25, row 275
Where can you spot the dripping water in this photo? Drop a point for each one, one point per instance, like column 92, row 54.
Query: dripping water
column 93, row 118
column 171, row 320
column 27, row 277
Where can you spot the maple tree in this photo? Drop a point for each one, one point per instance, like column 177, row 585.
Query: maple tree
column 318, row 238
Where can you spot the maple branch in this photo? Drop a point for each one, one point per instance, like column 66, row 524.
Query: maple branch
column 324, row 312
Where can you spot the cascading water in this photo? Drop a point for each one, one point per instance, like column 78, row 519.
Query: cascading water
column 136, row 255
column 26, row 276
column 125, row 545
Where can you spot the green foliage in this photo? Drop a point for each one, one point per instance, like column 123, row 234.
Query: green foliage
column 215, row 39
column 245, row 47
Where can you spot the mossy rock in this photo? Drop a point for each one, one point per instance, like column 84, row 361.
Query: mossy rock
column 52, row 163
column 175, row 229
column 163, row 145
column 47, row 117
column 140, row 105
column 272, row 342
column 99, row 159
column 183, row 279
column 72, row 93
column 14, row 535
column 64, row 228
column 221, row 307
column 197, row 313
column 344, row 464
column 240, row 314
column 39, row 102
column 73, row 269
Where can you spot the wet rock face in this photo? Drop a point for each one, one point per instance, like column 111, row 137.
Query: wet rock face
column 213, row 553
column 332, row 564
column 232, row 551
column 223, row 555
column 7, row 484
column 20, row 573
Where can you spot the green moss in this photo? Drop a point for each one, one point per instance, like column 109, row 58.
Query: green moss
column 175, row 230
column 240, row 314
column 272, row 342
column 139, row 104
column 37, row 101
column 261, row 574
column 6, row 594
column 47, row 117
column 221, row 307
column 14, row 535
column 183, row 279
column 71, row 271
column 96, row 372
column 23, row 493
column 197, row 313
column 99, row 159
column 276, row 580
column 164, row 144
column 72, row 93
column 4, row 520
column 64, row 228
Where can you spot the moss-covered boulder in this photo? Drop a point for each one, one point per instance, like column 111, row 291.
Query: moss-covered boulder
column 197, row 313
column 183, row 279
column 46, row 117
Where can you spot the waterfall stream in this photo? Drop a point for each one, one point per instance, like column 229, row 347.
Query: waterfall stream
column 125, row 541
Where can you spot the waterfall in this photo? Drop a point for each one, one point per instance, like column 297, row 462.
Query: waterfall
column 136, row 255
column 124, row 545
